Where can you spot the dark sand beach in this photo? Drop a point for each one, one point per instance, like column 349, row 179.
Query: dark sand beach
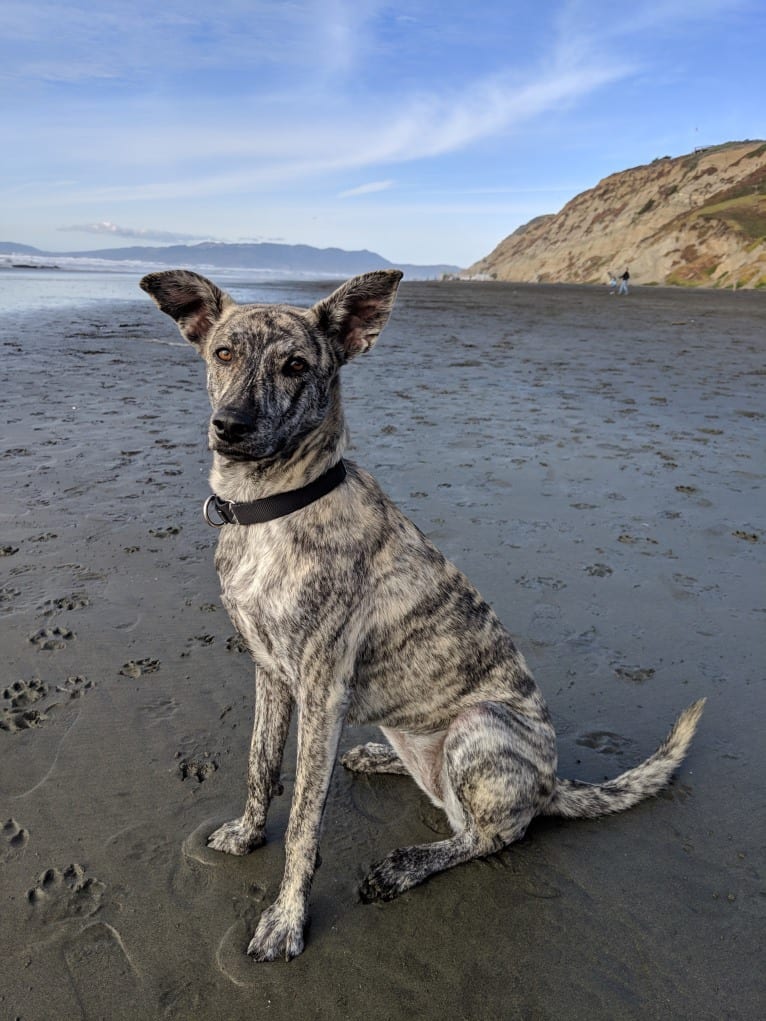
column 595, row 465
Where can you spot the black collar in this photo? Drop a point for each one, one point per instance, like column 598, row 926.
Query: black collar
column 276, row 506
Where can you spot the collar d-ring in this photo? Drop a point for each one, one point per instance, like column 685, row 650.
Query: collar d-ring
column 206, row 513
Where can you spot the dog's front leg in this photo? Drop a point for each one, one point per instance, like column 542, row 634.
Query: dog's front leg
column 273, row 706
column 280, row 930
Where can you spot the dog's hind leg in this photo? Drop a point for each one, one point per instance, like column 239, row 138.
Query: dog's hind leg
column 407, row 866
column 373, row 758
column 496, row 769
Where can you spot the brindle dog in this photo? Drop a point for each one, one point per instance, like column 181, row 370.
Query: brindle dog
column 351, row 614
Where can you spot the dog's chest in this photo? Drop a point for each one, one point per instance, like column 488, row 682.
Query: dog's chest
column 269, row 595
column 253, row 585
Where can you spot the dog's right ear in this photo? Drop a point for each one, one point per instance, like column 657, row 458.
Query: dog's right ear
column 192, row 300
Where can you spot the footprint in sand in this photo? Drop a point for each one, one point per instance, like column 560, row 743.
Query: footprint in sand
column 106, row 980
column 75, row 686
column 747, row 536
column 236, row 643
column 139, row 667
column 50, row 638
column 20, row 696
column 24, row 719
column 14, row 840
column 24, row 693
column 17, row 715
column 632, row 540
column 539, row 584
column 604, row 742
column 636, row 674
column 59, row 896
column 8, row 597
column 201, row 640
column 200, row 768
column 599, row 570
column 204, row 607
column 75, row 601
column 164, row 533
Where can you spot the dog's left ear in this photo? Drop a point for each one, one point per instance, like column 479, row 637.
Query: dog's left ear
column 354, row 315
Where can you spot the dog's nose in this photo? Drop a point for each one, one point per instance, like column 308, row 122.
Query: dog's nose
column 231, row 424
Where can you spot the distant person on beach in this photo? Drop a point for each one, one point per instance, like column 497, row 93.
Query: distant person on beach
column 624, row 283
column 612, row 282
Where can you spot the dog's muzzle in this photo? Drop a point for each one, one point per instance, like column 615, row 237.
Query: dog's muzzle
column 231, row 425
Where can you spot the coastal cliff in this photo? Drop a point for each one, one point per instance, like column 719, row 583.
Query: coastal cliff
column 694, row 220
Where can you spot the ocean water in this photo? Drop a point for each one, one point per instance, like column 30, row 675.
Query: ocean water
column 29, row 290
column 38, row 289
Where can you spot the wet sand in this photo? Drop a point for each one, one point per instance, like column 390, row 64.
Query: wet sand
column 594, row 464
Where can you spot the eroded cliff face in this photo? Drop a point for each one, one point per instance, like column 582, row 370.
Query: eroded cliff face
column 696, row 220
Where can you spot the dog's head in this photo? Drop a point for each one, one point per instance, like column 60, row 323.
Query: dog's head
column 272, row 370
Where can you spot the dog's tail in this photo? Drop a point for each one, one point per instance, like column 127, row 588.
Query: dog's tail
column 577, row 800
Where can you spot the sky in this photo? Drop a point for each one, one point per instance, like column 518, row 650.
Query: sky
column 425, row 131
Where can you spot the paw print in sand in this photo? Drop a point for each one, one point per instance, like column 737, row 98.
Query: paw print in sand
column 199, row 768
column 23, row 693
column 14, row 840
column 75, row 601
column 50, row 638
column 20, row 711
column 60, row 895
column 236, row 643
column 138, row 667
column 75, row 686
column 17, row 715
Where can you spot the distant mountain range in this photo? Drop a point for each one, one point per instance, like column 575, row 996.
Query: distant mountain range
column 695, row 220
column 276, row 259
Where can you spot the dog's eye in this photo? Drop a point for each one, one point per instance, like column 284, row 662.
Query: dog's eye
column 295, row 367
column 224, row 354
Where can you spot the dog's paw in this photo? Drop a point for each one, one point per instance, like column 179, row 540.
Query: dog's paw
column 278, row 936
column 357, row 759
column 372, row 758
column 235, row 837
column 388, row 878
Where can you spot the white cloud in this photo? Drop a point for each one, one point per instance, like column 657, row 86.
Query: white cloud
column 366, row 189
column 233, row 117
column 138, row 40
column 138, row 233
column 424, row 126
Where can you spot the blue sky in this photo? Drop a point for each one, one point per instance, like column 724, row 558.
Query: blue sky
column 426, row 131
